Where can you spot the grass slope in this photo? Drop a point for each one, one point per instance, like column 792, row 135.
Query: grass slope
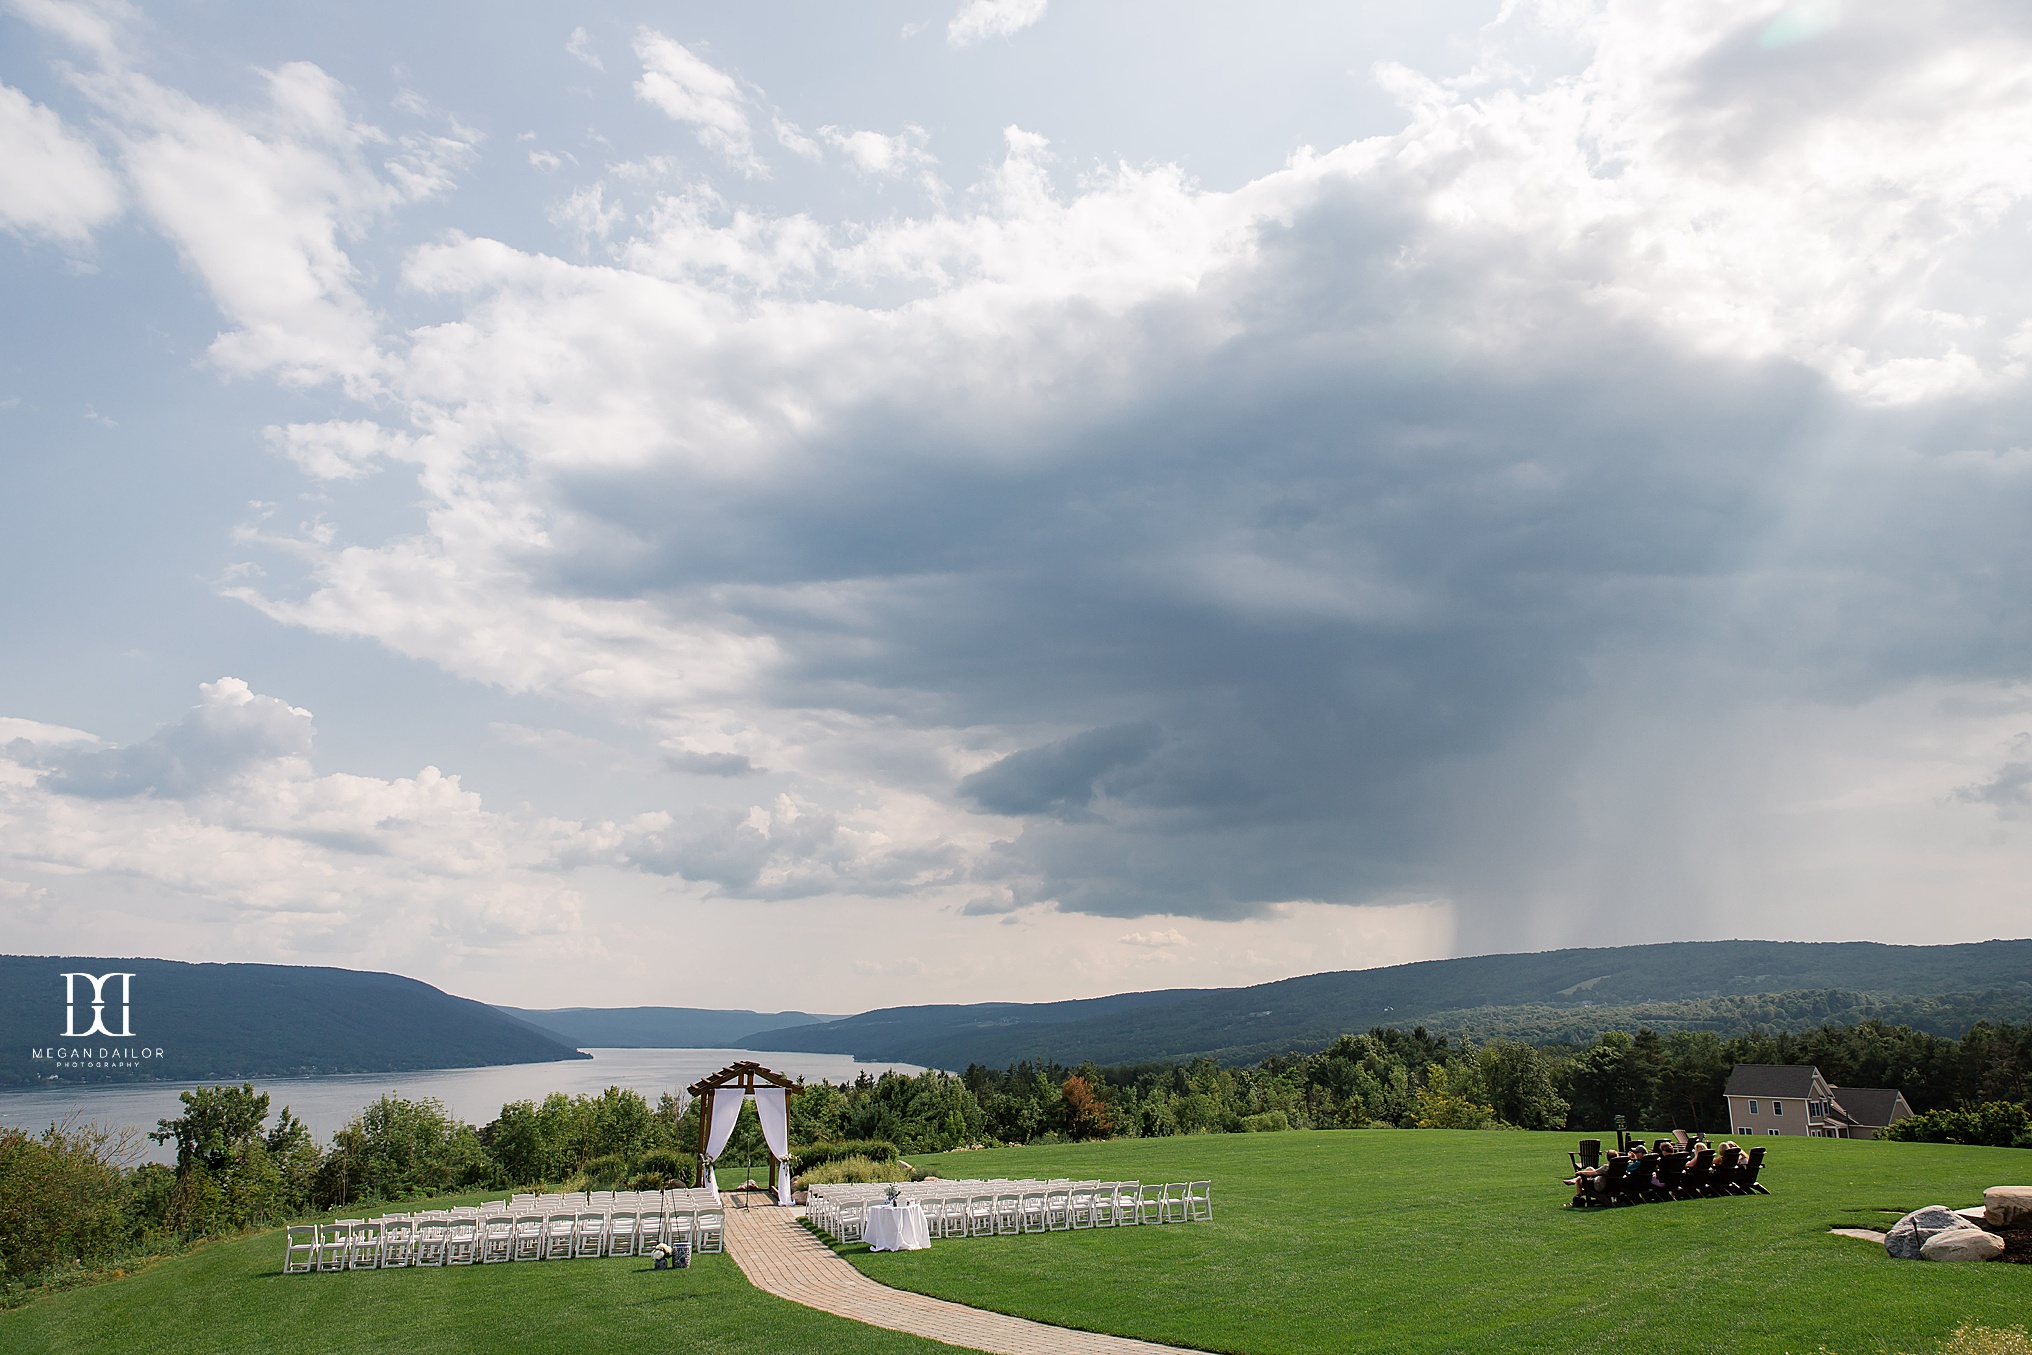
column 232, row 1296
column 1431, row 1241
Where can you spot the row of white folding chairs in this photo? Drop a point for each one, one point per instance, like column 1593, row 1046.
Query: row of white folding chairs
column 1094, row 1205
column 836, row 1209
column 980, row 1213
column 683, row 1198
column 468, row 1236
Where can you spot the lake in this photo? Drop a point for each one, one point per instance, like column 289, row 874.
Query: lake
column 475, row 1095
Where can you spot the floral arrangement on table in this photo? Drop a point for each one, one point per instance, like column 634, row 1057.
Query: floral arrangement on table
column 893, row 1192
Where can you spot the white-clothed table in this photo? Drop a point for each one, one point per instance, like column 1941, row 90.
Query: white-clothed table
column 896, row 1227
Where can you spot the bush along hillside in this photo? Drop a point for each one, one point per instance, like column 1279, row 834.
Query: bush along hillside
column 72, row 1203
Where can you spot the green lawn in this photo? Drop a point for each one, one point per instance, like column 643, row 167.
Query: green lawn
column 232, row 1296
column 1384, row 1240
column 1428, row 1240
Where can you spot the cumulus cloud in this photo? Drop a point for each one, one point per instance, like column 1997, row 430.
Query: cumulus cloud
column 1355, row 482
column 341, row 449
column 1592, row 502
column 224, row 817
column 260, row 202
column 692, row 91
column 1154, row 940
column 878, row 155
column 980, row 20
column 228, row 732
column 52, row 181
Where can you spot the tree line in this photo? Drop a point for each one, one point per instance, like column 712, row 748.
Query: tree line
column 76, row 1196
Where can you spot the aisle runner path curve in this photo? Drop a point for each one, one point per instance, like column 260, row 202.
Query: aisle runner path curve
column 781, row 1257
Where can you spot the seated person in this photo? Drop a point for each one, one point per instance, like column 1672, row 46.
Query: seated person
column 1588, row 1175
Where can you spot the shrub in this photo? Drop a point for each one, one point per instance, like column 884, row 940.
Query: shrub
column 1269, row 1122
column 813, row 1155
column 1995, row 1124
column 61, row 1196
column 854, row 1170
column 606, row 1172
column 673, row 1167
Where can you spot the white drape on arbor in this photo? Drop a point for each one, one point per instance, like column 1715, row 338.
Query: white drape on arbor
column 772, row 1108
column 726, row 1110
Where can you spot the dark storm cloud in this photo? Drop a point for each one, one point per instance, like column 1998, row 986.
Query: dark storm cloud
column 1551, row 394
column 1059, row 778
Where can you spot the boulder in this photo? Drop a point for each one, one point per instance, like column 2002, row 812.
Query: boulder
column 1911, row 1233
column 1962, row 1244
column 2008, row 1206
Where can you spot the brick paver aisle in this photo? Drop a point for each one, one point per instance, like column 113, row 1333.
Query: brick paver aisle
column 780, row 1256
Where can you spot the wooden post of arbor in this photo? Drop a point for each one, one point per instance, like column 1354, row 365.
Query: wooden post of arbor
column 742, row 1079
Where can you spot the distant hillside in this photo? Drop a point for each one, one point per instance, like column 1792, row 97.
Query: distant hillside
column 246, row 1020
column 1237, row 1024
column 658, row 1027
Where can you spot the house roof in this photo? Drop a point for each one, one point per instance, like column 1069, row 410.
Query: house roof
column 1772, row 1079
column 1872, row 1106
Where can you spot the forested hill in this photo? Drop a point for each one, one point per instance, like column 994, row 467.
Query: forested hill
column 1549, row 991
column 228, row 1021
column 658, row 1027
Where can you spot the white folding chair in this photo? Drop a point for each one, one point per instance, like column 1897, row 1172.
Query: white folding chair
column 557, row 1234
column 1057, row 1210
column 1199, row 1201
column 710, row 1233
column 462, row 1242
column 364, row 1252
column 1150, row 1204
column 525, row 1237
column 621, row 1233
column 433, row 1231
column 300, row 1249
column 398, row 1241
column 590, row 1234
column 1172, row 1204
column 497, row 1238
column 335, row 1244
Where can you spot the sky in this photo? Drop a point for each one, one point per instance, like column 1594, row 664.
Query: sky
column 836, row 506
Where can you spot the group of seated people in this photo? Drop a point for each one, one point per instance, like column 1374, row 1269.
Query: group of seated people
column 1670, row 1169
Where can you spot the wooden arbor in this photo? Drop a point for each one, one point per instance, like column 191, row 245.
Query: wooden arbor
column 743, row 1080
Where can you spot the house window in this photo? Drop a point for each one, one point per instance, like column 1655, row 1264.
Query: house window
column 1770, row 1131
column 1753, row 1106
column 1744, row 1129
column 1777, row 1107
